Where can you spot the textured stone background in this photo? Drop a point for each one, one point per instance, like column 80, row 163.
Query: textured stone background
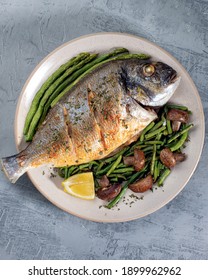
column 30, row 226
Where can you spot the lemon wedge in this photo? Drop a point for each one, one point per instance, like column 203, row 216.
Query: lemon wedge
column 80, row 185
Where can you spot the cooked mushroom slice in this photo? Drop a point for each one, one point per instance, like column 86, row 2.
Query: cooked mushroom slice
column 142, row 185
column 176, row 125
column 108, row 193
column 167, row 158
column 179, row 157
column 103, row 181
column 178, row 115
column 128, row 160
column 139, row 159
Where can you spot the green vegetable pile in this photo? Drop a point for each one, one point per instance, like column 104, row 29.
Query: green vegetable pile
column 157, row 136
column 62, row 80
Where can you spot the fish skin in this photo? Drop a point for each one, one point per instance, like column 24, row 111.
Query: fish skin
column 95, row 118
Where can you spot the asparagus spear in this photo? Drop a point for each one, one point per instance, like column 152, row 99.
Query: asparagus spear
column 47, row 84
column 49, row 91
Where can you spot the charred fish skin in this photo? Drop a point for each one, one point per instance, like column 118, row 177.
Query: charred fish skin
column 99, row 115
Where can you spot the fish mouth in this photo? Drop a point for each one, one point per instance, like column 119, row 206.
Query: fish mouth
column 174, row 78
column 171, row 79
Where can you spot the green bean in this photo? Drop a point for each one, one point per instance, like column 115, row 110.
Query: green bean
column 153, row 142
column 169, row 145
column 65, row 172
column 83, row 166
column 132, row 55
column 76, row 170
column 130, row 153
column 119, row 176
column 110, row 159
column 153, row 160
column 125, row 187
column 169, row 128
column 89, row 68
column 129, row 173
column 180, row 143
column 47, row 84
column 161, row 166
column 123, row 170
column 100, row 166
column 155, row 132
column 128, row 177
column 145, row 130
column 113, row 167
column 179, row 107
column 157, row 125
column 156, row 171
column 158, row 137
column 49, row 91
column 163, row 176
column 158, row 147
column 141, row 146
column 165, row 132
column 61, row 172
column 150, row 148
column 148, row 155
column 97, row 186
column 187, row 128
column 136, row 145
column 115, row 179
column 121, row 165
column 93, row 162
column 69, row 170
column 105, row 170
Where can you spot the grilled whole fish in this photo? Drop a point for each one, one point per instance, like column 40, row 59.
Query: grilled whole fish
column 99, row 115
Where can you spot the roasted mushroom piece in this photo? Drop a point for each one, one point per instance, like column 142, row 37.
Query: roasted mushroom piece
column 108, row 193
column 128, row 160
column 167, row 158
column 178, row 115
column 176, row 125
column 142, row 185
column 103, row 181
column 179, row 157
column 138, row 160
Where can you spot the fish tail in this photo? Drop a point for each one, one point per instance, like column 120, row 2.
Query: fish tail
column 14, row 166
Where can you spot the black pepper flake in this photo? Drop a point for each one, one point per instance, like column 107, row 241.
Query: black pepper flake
column 52, row 175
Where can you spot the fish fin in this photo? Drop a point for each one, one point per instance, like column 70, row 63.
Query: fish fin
column 13, row 167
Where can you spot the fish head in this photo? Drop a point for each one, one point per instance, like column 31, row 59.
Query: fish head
column 151, row 83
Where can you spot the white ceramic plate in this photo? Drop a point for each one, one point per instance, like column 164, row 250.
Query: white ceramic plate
column 186, row 94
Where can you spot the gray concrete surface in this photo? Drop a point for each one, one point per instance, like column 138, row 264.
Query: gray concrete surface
column 30, row 226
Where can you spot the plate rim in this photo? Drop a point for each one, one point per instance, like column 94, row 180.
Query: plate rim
column 115, row 34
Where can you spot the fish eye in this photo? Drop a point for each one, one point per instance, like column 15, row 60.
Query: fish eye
column 148, row 70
